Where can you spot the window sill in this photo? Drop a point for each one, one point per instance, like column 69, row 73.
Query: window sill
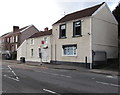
column 69, row 55
column 76, row 36
column 62, row 37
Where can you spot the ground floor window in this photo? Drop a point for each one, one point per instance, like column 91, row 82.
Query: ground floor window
column 32, row 52
column 40, row 52
column 70, row 50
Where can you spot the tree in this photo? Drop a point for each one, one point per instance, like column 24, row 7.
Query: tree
column 116, row 13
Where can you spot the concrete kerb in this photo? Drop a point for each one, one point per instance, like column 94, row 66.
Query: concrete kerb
column 66, row 67
column 106, row 72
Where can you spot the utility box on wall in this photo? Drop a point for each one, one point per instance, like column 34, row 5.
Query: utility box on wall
column 99, row 58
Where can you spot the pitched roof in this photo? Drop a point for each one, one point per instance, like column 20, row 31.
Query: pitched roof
column 16, row 32
column 79, row 14
column 42, row 33
column 21, row 29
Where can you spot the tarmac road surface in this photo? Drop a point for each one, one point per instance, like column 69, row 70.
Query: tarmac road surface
column 20, row 78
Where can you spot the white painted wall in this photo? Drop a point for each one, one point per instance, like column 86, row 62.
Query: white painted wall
column 21, row 51
column 83, row 43
column 105, row 32
column 25, row 50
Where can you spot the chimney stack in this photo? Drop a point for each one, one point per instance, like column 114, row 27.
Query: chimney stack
column 46, row 29
column 15, row 28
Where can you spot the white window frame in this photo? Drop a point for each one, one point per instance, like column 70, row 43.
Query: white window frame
column 13, row 39
column 16, row 38
column 8, row 39
column 31, row 53
column 16, row 46
column 45, row 40
column 68, row 48
column 39, row 51
column 32, row 41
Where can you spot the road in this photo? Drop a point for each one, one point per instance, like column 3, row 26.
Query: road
column 20, row 78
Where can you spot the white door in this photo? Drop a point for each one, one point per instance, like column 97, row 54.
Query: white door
column 45, row 55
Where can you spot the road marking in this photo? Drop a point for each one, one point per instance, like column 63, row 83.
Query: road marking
column 54, row 74
column 9, row 67
column 50, row 91
column 115, row 77
column 109, row 76
column 11, row 78
column 107, row 83
column 13, row 72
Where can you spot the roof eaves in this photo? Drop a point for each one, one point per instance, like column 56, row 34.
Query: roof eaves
column 69, row 17
column 40, row 34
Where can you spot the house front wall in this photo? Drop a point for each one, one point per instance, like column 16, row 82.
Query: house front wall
column 83, row 42
column 37, row 43
column 105, row 32
column 21, row 51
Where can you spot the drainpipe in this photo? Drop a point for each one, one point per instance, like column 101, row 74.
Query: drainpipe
column 91, row 57
column 55, row 53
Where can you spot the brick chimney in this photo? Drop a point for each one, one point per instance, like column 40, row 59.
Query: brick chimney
column 46, row 29
column 15, row 28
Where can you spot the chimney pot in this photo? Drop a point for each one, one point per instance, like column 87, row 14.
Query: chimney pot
column 46, row 29
column 15, row 28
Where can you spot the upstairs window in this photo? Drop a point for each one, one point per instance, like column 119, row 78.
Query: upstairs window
column 16, row 38
column 32, row 42
column 45, row 40
column 62, row 31
column 77, row 28
column 13, row 39
column 8, row 40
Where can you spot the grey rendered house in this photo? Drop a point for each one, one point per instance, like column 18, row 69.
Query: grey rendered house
column 85, row 36
column 37, row 45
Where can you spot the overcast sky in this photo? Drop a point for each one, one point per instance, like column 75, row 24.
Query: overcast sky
column 41, row 13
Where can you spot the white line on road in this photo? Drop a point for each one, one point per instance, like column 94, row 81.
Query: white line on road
column 9, row 67
column 109, row 76
column 107, row 83
column 50, row 91
column 11, row 78
column 13, row 72
column 115, row 77
column 54, row 74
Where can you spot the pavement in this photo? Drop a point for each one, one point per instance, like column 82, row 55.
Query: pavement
column 67, row 67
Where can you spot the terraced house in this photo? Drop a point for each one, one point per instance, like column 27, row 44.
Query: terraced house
column 87, row 36
column 12, row 40
column 37, row 47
